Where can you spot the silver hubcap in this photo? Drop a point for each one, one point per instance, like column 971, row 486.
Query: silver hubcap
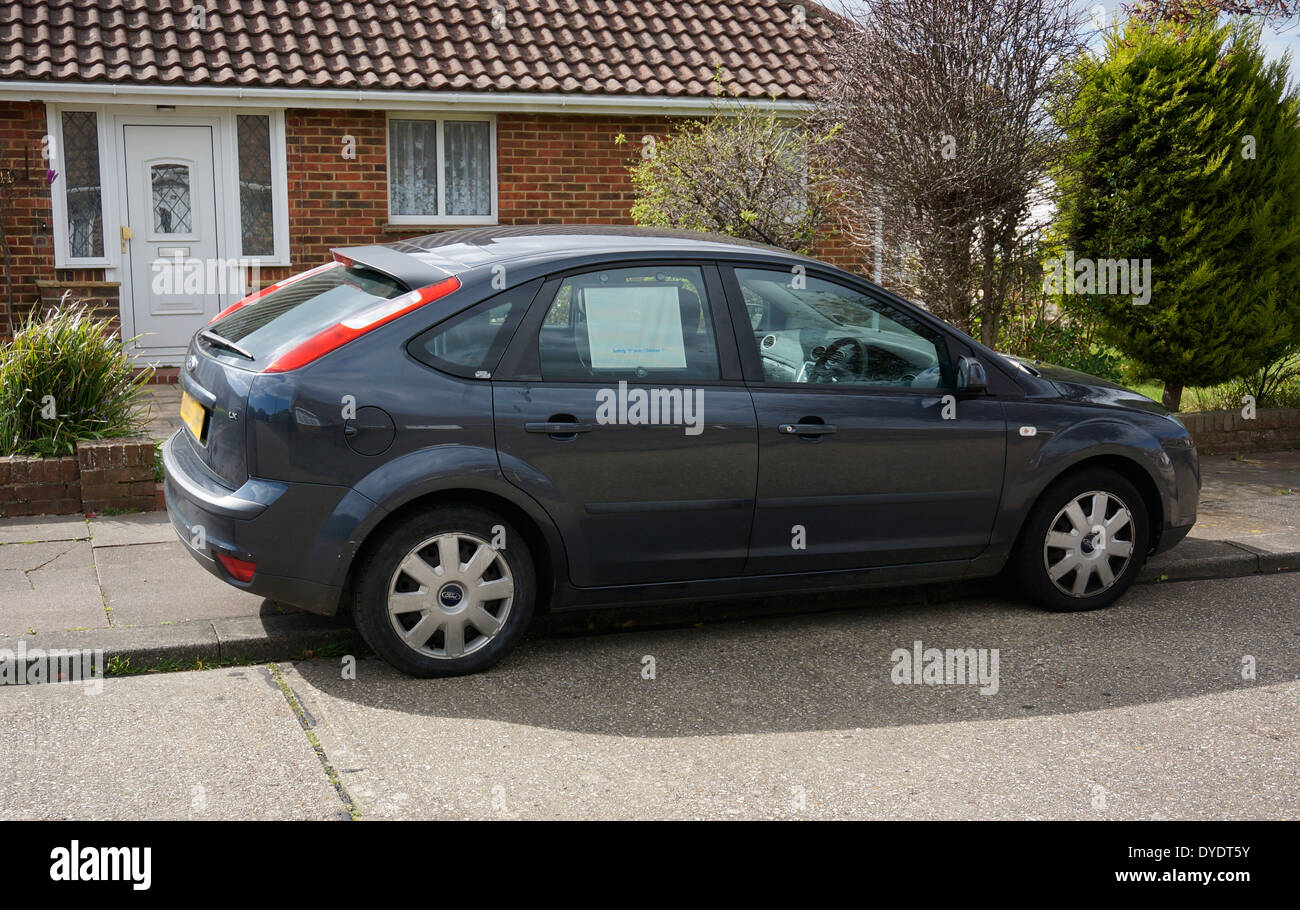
column 1089, row 544
column 450, row 595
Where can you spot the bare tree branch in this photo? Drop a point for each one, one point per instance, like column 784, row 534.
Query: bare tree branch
column 947, row 139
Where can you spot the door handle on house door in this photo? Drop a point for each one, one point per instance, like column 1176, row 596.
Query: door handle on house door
column 126, row 235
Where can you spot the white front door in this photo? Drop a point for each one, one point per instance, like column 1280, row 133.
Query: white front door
column 170, row 236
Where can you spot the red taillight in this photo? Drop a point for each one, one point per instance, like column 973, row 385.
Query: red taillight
column 269, row 288
column 239, row 569
column 367, row 320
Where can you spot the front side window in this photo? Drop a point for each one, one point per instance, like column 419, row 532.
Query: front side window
column 647, row 323
column 440, row 169
column 809, row 330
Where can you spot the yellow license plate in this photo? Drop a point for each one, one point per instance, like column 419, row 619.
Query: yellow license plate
column 194, row 414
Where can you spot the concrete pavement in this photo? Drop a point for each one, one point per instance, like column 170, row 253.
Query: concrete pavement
column 1140, row 711
column 126, row 583
column 221, row 744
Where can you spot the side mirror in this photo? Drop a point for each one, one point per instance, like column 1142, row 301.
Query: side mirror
column 971, row 377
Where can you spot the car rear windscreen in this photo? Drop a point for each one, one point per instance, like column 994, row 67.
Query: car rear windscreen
column 304, row 307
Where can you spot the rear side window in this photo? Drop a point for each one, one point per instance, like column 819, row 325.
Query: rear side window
column 471, row 344
column 633, row 323
column 303, row 307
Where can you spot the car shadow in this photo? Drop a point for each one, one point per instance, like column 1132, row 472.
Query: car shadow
column 835, row 668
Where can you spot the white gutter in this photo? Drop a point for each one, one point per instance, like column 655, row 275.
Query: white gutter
column 368, row 99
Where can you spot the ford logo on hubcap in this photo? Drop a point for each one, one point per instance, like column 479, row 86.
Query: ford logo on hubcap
column 451, row 596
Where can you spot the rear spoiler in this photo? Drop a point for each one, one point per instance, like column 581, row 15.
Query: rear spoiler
column 409, row 271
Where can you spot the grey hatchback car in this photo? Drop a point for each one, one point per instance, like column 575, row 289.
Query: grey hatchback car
column 448, row 434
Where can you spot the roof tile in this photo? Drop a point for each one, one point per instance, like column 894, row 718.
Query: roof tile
column 619, row 47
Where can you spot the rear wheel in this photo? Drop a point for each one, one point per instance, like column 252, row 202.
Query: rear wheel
column 445, row 592
column 1084, row 542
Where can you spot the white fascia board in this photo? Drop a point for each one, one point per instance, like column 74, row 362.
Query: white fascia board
column 237, row 96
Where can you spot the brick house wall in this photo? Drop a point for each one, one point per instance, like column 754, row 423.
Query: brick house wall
column 550, row 168
column 30, row 221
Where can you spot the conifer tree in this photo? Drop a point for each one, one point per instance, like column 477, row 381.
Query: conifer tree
column 1184, row 149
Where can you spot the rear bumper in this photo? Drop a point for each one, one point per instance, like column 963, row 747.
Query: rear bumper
column 270, row 523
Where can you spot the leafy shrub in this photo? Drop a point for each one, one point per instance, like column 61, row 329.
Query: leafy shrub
column 66, row 378
column 1276, row 386
column 1068, row 340
column 742, row 172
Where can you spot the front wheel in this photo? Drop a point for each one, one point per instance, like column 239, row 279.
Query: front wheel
column 445, row 592
column 1083, row 543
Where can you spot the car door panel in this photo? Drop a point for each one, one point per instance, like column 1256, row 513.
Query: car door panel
column 894, row 483
column 858, row 466
column 636, row 501
column 635, row 504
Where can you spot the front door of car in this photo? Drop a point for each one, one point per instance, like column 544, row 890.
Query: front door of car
column 621, row 409
column 868, row 455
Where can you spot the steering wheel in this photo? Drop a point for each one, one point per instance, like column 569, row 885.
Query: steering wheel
column 831, row 364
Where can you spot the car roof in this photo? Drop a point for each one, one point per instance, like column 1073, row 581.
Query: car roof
column 434, row 256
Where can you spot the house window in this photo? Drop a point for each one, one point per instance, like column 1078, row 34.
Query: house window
column 256, row 203
column 82, row 184
column 441, row 170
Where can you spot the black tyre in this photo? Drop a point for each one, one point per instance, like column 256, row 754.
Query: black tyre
column 1083, row 543
column 435, row 597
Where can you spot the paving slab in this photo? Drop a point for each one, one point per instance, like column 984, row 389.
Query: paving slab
column 49, row 586
column 1263, row 514
column 56, row 527
column 161, row 582
column 1259, row 474
column 160, row 407
column 1223, row 522
column 125, row 530
column 221, row 744
column 1137, row 712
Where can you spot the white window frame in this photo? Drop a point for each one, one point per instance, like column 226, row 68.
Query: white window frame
column 279, row 185
column 63, row 258
column 441, row 117
column 107, row 118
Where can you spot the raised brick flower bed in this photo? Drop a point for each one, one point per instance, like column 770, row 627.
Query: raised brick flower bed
column 104, row 474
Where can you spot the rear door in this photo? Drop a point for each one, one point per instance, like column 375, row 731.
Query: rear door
column 620, row 407
column 867, row 454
